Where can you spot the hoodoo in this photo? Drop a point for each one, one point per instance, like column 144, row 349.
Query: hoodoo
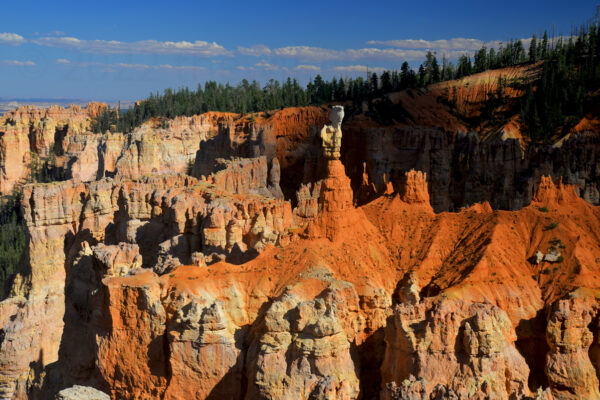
column 335, row 208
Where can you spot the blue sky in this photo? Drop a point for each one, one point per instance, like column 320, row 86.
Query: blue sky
column 123, row 50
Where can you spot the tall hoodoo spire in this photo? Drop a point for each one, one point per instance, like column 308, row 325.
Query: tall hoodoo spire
column 335, row 198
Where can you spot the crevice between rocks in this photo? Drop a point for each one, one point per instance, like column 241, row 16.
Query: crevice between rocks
column 531, row 344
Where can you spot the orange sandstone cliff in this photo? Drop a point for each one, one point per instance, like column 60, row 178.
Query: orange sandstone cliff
column 174, row 265
column 382, row 300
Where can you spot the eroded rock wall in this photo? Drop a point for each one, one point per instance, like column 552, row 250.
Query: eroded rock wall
column 467, row 349
column 167, row 219
column 464, row 170
column 171, row 286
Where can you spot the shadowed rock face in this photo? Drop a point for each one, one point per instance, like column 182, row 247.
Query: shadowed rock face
column 463, row 170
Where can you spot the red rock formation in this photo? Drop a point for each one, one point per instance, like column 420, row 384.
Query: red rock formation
column 487, row 338
column 572, row 332
column 168, row 148
column 206, row 359
column 247, row 175
column 552, row 195
column 467, row 348
column 295, row 319
column 297, row 305
column 292, row 126
column 414, row 191
column 94, row 108
column 30, row 129
column 305, row 354
column 335, row 213
column 136, row 315
column 61, row 216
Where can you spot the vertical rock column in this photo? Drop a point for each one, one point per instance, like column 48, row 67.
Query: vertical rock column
column 335, row 210
column 335, row 203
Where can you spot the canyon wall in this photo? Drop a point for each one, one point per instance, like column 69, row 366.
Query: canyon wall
column 464, row 170
column 169, row 264
column 386, row 301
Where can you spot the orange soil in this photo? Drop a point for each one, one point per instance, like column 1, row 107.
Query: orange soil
column 476, row 254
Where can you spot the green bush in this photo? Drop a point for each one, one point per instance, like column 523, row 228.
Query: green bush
column 12, row 239
column 551, row 225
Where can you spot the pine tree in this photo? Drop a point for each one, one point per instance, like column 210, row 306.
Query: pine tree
column 545, row 46
column 395, row 80
column 464, row 66
column 404, row 78
column 435, row 71
column 481, row 60
column 341, row 90
column 374, row 83
column 518, row 52
column 386, row 82
column 319, row 89
column 491, row 59
column 428, row 67
column 533, row 49
column 334, row 89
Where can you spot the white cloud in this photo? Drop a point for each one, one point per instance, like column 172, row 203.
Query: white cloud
column 388, row 50
column 307, row 52
column 19, row 63
column 55, row 33
column 11, row 38
column 385, row 54
column 446, row 44
column 452, row 48
column 318, row 53
column 181, row 67
column 197, row 48
column 308, row 57
column 267, row 66
column 258, row 50
column 397, row 50
column 359, row 68
column 113, row 67
column 307, row 67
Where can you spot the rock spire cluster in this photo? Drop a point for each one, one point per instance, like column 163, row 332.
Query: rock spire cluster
column 200, row 280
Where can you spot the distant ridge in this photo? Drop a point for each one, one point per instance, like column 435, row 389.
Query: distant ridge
column 7, row 104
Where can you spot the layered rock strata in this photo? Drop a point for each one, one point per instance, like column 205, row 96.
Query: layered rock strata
column 309, row 320
column 464, row 170
column 29, row 132
column 151, row 222
column 212, row 287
